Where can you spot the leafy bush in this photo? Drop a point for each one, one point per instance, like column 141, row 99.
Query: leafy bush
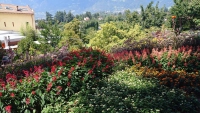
column 158, row 39
column 189, row 82
column 125, row 92
column 43, row 87
column 184, row 58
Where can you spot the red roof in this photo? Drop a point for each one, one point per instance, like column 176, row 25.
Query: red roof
column 10, row 8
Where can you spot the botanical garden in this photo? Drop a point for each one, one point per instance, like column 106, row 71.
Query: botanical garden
column 147, row 62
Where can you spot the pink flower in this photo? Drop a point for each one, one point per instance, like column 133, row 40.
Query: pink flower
column 33, row 92
column 27, row 100
column 8, row 108
column 53, row 69
column 36, row 77
column 185, row 64
column 90, row 71
column 71, row 70
column 12, row 95
column 26, row 73
column 49, row 86
column 20, row 80
column 168, row 63
column 82, row 78
column 54, row 78
column 98, row 63
column 10, row 77
column 60, row 72
column 60, row 63
column 59, row 88
column 69, row 76
column 68, row 84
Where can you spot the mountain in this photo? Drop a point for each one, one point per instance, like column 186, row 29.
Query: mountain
column 81, row 6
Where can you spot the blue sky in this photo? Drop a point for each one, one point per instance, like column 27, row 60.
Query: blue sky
column 80, row 6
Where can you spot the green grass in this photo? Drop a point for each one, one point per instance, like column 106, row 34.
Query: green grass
column 124, row 92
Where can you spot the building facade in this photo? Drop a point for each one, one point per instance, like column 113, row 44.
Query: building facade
column 13, row 17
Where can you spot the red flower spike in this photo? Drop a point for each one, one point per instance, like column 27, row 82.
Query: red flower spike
column 99, row 63
column 10, row 77
column 49, row 86
column 54, row 78
column 82, row 78
column 90, row 71
column 33, row 92
column 69, row 76
column 1, row 94
column 26, row 73
column 12, row 95
column 60, row 63
column 20, row 81
column 27, row 101
column 68, row 84
column 53, row 69
column 8, row 108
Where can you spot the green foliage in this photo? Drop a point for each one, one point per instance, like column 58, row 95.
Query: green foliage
column 88, row 14
column 186, row 13
column 137, row 33
column 24, row 45
column 107, row 37
column 28, row 31
column 125, row 92
column 72, row 35
column 49, row 16
column 80, row 70
column 50, row 32
column 132, row 18
column 152, row 16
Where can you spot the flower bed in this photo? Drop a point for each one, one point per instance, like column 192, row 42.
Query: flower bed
column 81, row 69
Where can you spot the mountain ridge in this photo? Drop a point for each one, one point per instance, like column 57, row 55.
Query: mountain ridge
column 81, row 6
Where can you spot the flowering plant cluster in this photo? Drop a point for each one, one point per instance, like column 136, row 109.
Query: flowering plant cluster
column 189, row 82
column 184, row 58
column 43, row 86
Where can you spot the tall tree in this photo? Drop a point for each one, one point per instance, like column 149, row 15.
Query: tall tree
column 59, row 16
column 69, row 17
column 72, row 35
column 152, row 16
column 186, row 12
column 51, row 32
column 49, row 16
column 88, row 14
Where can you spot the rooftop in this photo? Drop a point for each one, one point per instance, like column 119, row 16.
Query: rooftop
column 10, row 8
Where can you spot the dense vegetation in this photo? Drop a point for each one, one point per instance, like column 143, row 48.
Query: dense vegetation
column 108, row 62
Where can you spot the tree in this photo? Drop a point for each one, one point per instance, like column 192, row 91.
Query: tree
column 69, row 17
column 132, row 18
column 25, row 45
column 88, row 14
column 107, row 37
column 187, row 13
column 59, row 16
column 51, row 32
column 49, row 17
column 96, row 15
column 152, row 16
column 72, row 35
column 28, row 31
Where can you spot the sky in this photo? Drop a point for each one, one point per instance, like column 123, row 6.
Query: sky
column 81, row 6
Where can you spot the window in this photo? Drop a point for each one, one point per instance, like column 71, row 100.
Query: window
column 13, row 24
column 5, row 24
